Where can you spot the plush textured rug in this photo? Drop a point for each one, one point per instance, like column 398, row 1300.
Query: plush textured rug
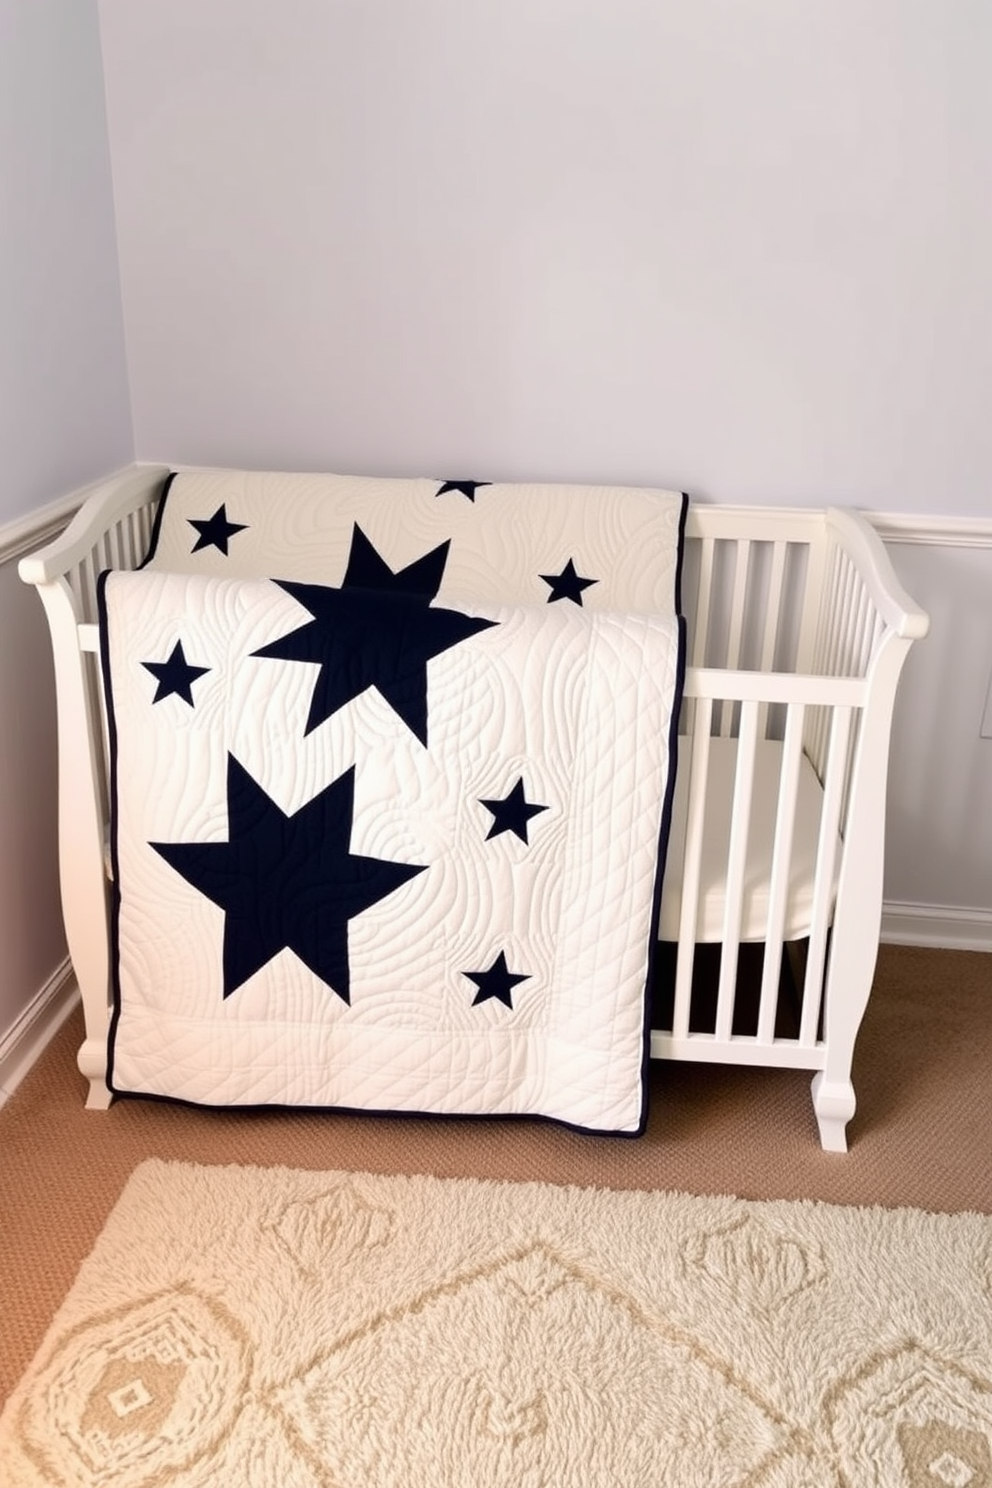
column 291, row 1329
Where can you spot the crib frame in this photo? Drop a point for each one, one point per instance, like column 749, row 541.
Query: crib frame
column 797, row 633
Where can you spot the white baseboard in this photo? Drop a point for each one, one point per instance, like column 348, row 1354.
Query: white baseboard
column 932, row 531
column 36, row 1027
column 937, row 925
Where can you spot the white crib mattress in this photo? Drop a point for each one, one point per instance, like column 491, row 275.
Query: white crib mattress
column 716, row 843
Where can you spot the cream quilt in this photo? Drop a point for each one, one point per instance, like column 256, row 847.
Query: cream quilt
column 379, row 845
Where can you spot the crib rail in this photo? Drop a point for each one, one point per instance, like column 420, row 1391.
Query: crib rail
column 116, row 518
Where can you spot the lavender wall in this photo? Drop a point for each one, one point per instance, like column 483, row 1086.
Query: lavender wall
column 65, row 414
column 64, row 420
column 736, row 247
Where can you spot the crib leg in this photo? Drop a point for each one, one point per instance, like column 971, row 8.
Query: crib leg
column 834, row 1104
column 90, row 964
column 92, row 1062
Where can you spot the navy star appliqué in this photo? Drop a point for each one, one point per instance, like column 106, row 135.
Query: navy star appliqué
column 568, row 584
column 215, row 531
column 497, row 982
column 512, row 813
column 286, row 881
column 377, row 630
column 467, row 488
column 174, row 676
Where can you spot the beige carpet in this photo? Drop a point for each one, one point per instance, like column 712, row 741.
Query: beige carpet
column 922, row 1137
column 241, row 1326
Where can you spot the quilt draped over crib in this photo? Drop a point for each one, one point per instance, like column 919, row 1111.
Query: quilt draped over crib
column 392, row 769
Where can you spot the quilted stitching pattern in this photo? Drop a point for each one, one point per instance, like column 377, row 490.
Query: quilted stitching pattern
column 576, row 703
column 502, row 541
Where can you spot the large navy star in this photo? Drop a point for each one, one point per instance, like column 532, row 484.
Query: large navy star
column 567, row 584
column 286, row 881
column 497, row 982
column 467, row 488
column 215, row 531
column 174, row 676
column 512, row 813
column 377, row 630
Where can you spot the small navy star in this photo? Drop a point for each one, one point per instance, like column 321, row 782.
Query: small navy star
column 497, row 982
column 567, row 584
column 174, row 676
column 378, row 630
column 286, row 881
column 512, row 813
column 467, row 488
column 215, row 531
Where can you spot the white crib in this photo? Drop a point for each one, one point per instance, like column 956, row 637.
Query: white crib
column 797, row 631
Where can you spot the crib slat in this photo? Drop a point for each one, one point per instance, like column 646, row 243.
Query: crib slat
column 118, row 553
column 778, row 890
column 821, row 653
column 134, row 553
column 736, row 864
column 700, row 624
column 826, row 852
column 87, row 581
column 144, row 532
column 818, row 735
column 770, row 636
column 773, row 608
column 874, row 636
column 742, row 561
column 856, row 632
column 695, row 821
column 735, row 634
column 867, row 636
column 700, row 630
column 820, row 639
column 837, row 664
column 146, row 517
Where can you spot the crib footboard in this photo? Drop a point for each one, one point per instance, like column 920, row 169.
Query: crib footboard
column 111, row 530
column 798, row 631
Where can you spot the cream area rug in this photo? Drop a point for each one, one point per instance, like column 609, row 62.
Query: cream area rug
column 286, row 1329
